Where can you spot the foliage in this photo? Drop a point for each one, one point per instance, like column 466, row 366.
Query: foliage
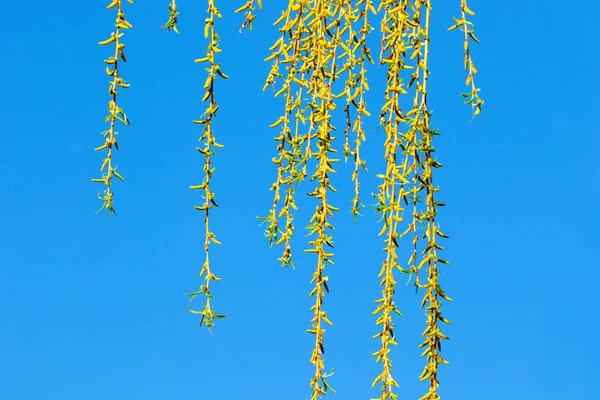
column 321, row 41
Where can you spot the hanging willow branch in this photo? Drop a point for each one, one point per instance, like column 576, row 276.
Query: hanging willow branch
column 116, row 113
column 434, row 292
column 172, row 21
column 291, row 154
column 423, row 179
column 416, row 38
column 395, row 25
column 355, row 86
column 468, row 28
column 328, row 15
column 208, row 140
column 249, row 14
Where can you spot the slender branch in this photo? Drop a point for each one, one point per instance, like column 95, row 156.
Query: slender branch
column 116, row 113
column 208, row 314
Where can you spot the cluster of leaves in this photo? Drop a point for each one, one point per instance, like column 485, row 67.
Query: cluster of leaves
column 308, row 49
column 293, row 152
column 313, row 33
column 408, row 178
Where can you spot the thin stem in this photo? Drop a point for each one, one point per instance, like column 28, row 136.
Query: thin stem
column 208, row 314
column 115, row 112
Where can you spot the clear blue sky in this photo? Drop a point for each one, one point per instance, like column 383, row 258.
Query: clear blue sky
column 93, row 309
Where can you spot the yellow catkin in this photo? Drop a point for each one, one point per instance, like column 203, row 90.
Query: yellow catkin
column 172, row 21
column 116, row 113
column 209, row 145
column 248, row 9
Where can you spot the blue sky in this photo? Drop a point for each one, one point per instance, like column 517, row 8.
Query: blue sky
column 93, row 308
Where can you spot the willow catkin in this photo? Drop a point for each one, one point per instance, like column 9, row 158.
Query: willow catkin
column 172, row 21
column 209, row 145
column 249, row 16
column 116, row 113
